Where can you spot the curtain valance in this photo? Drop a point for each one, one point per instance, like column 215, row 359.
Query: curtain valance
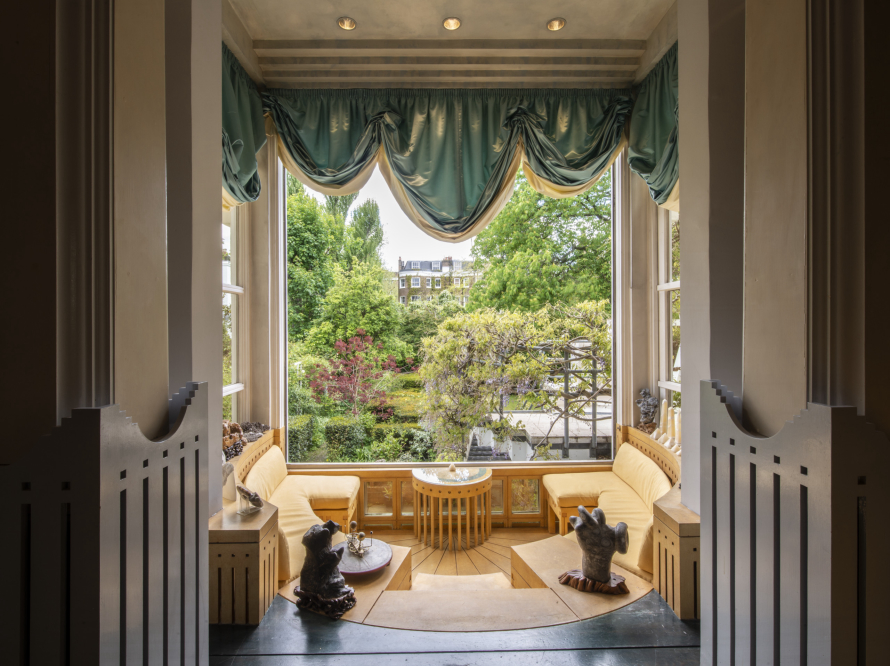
column 449, row 156
column 243, row 133
column 653, row 146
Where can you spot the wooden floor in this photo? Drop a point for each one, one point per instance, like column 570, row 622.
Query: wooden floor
column 491, row 557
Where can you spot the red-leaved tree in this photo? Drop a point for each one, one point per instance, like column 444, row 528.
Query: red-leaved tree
column 356, row 375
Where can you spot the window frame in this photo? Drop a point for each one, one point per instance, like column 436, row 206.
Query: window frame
column 456, row 282
column 665, row 287
column 415, row 298
column 402, row 300
column 437, row 265
column 401, row 283
column 417, row 280
column 415, row 265
column 438, row 283
column 240, row 329
column 429, row 283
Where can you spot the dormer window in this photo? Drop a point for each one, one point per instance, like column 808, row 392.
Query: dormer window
column 437, row 265
column 415, row 265
column 458, row 265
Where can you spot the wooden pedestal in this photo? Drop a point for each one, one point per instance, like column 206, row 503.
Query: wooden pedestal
column 676, row 550
column 243, row 564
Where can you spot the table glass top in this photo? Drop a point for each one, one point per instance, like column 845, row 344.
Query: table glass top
column 443, row 476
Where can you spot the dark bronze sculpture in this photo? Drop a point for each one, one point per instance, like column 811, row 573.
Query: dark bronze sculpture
column 648, row 405
column 598, row 542
column 322, row 588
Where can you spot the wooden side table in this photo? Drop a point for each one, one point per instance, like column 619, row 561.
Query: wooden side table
column 434, row 490
column 243, row 564
column 676, row 553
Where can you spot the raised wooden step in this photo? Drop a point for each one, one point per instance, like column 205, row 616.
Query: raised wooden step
column 424, row 582
column 461, row 610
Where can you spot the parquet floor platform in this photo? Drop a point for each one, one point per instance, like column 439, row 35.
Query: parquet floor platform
column 491, row 557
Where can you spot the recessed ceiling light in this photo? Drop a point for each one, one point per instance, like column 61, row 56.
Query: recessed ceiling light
column 451, row 23
column 346, row 23
column 556, row 24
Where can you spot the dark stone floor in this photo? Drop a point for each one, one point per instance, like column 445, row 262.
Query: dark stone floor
column 646, row 632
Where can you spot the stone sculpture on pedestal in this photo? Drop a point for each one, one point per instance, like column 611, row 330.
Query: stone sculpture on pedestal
column 598, row 542
column 648, row 405
column 322, row 588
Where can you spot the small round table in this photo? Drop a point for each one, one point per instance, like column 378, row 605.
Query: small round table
column 375, row 559
column 435, row 488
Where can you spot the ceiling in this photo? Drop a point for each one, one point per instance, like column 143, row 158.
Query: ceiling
column 402, row 43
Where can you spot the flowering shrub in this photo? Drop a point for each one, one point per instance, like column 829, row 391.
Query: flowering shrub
column 357, row 376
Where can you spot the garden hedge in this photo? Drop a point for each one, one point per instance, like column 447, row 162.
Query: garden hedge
column 299, row 436
column 344, row 436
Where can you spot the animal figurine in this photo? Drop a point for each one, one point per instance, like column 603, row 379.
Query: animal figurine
column 322, row 588
column 598, row 542
column 648, row 405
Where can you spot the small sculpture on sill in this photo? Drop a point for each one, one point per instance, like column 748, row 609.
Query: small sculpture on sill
column 322, row 588
column 648, row 405
column 355, row 541
column 599, row 542
column 250, row 501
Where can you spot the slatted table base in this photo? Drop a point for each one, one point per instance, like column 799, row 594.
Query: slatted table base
column 465, row 508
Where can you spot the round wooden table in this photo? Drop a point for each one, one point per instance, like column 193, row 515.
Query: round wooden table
column 377, row 558
column 437, row 490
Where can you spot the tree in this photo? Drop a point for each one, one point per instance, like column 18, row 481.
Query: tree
column 356, row 374
column 541, row 250
column 421, row 319
column 364, row 235
column 314, row 241
column 479, row 358
column 358, row 301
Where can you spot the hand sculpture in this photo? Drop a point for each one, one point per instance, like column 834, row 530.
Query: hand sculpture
column 598, row 542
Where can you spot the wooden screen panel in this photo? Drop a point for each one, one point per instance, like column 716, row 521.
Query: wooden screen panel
column 109, row 531
column 790, row 553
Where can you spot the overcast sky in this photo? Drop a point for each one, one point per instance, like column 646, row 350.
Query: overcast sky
column 402, row 238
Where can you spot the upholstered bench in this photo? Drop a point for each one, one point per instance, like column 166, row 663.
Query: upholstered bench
column 302, row 501
column 626, row 494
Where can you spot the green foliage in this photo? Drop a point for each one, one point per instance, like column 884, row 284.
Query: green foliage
column 300, row 436
column 421, row 319
column 411, row 380
column 358, row 300
column 314, row 242
column 479, row 357
column 541, row 251
column 344, row 436
column 364, row 236
column 388, row 449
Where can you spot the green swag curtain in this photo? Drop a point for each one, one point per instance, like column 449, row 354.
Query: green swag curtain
column 653, row 143
column 449, row 156
column 243, row 133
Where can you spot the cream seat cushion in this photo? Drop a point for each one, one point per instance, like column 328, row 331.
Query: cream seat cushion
column 267, row 473
column 295, row 517
column 570, row 490
column 329, row 492
column 625, row 506
column 641, row 473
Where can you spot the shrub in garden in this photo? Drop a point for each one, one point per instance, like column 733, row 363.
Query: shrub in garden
column 300, row 431
column 344, row 436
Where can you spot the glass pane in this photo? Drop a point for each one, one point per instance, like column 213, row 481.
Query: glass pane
column 230, row 407
column 525, row 496
column 230, row 338
column 675, row 335
column 407, row 502
column 497, row 496
column 378, row 498
column 229, row 256
column 674, row 228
